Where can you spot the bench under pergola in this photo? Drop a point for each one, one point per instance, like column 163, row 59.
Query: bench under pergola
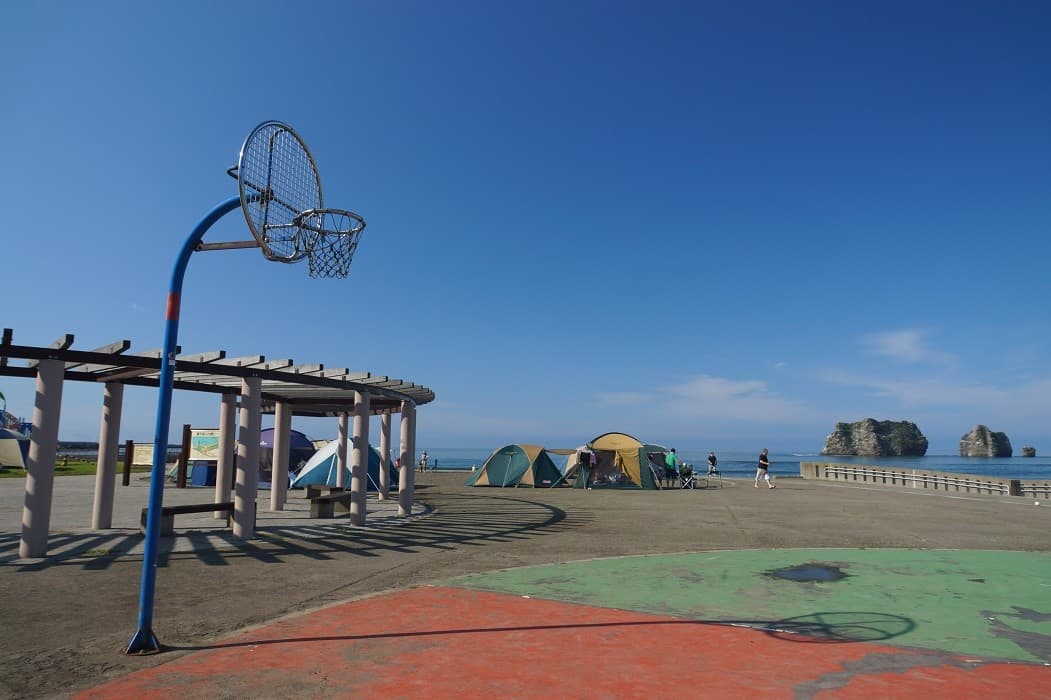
column 253, row 383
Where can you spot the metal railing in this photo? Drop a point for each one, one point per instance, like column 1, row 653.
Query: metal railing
column 924, row 479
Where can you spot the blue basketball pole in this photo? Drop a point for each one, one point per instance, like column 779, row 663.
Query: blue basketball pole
column 145, row 641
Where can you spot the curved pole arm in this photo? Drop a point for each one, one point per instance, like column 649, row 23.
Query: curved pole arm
column 144, row 641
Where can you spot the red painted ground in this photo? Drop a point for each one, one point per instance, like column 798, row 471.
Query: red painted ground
column 437, row 642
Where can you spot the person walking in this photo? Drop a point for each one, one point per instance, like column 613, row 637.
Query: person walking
column 763, row 470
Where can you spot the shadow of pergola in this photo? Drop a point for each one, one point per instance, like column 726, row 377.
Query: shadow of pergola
column 461, row 520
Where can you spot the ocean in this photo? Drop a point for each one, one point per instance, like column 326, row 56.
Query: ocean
column 742, row 464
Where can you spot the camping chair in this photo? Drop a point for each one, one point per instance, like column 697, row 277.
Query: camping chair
column 713, row 472
column 687, row 479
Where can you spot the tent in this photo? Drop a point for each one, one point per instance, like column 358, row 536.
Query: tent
column 320, row 469
column 518, row 465
column 621, row 462
column 300, row 450
column 14, row 449
column 561, row 458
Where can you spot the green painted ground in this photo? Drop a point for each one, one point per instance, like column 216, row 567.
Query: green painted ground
column 984, row 605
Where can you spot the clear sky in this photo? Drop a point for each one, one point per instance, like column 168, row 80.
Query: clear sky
column 716, row 225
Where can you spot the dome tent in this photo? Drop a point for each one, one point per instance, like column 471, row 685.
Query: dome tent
column 621, row 461
column 321, row 469
column 14, row 449
column 300, row 450
column 526, row 466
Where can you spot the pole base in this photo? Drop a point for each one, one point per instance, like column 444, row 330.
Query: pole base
column 144, row 642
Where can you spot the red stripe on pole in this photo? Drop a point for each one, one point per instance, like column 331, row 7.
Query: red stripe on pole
column 172, row 313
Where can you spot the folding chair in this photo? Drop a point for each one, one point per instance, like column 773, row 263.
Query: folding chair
column 713, row 472
column 687, row 479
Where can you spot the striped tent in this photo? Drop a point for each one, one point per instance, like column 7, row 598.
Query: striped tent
column 527, row 466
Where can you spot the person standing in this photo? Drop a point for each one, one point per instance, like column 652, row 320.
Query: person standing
column 713, row 463
column 763, row 469
column 586, row 462
column 671, row 468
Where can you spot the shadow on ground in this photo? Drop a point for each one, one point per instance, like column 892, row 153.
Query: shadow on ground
column 457, row 522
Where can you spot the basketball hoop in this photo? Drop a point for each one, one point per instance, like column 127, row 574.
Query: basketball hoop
column 279, row 192
column 277, row 179
column 328, row 238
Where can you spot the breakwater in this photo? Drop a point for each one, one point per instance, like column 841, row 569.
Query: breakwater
column 924, row 479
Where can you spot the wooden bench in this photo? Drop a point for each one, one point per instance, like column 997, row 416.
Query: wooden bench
column 327, row 506
column 168, row 514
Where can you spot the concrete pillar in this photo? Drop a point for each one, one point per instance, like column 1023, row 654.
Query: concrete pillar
column 43, row 447
column 109, row 442
column 224, row 468
column 282, row 439
column 407, row 475
column 341, row 453
column 247, row 483
column 384, row 485
column 359, row 478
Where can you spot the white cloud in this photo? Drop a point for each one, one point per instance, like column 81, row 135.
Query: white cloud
column 909, row 346
column 920, row 391
column 747, row 400
column 1023, row 405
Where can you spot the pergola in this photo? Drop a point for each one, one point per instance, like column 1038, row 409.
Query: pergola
column 254, row 383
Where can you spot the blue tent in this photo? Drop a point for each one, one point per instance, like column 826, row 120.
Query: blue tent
column 14, row 449
column 300, row 450
column 520, row 466
column 320, row 470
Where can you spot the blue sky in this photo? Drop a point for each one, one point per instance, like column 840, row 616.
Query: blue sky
column 713, row 224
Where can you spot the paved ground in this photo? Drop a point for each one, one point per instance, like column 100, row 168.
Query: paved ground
column 438, row 604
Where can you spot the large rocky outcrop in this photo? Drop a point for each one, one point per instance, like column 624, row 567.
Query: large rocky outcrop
column 873, row 438
column 982, row 442
column 1029, row 451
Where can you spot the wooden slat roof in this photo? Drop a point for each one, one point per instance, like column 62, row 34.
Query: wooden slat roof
column 310, row 390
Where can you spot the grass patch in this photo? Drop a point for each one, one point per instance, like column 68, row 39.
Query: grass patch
column 68, row 467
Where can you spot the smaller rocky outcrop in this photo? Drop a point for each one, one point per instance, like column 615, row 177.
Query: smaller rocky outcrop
column 873, row 438
column 982, row 442
column 1028, row 451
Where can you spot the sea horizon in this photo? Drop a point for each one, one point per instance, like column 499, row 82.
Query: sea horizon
column 734, row 462
column 742, row 463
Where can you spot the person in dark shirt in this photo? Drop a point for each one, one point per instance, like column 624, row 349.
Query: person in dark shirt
column 763, row 470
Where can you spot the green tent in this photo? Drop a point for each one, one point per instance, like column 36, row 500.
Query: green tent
column 621, row 461
column 527, row 466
